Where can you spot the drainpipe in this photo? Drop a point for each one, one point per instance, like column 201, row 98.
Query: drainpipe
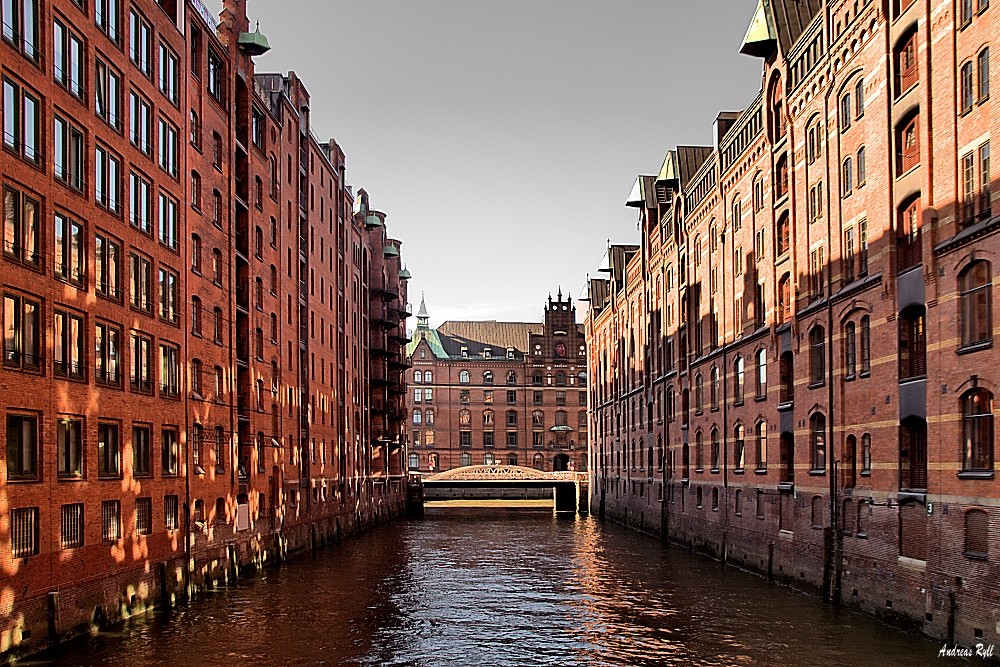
column 725, row 407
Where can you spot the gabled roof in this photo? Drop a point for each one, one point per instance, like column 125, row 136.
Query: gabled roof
column 433, row 340
column 778, row 23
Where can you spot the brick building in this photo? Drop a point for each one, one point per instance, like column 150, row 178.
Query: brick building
column 510, row 393
column 203, row 326
column 791, row 369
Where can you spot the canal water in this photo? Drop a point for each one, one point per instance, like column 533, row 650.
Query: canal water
column 501, row 586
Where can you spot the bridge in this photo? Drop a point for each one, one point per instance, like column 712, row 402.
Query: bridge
column 569, row 486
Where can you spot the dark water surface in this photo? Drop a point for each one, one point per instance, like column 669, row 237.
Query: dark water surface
column 492, row 586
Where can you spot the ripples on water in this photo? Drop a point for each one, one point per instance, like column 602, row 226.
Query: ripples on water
column 494, row 586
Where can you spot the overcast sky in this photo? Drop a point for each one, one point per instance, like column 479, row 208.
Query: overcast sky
column 501, row 138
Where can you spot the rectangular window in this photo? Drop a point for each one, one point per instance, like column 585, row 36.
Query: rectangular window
column 863, row 248
column 968, row 187
column 71, row 532
column 984, row 74
column 108, row 255
column 168, row 372
column 67, row 156
column 257, row 129
column 168, row 147
column 560, row 398
column 24, row 532
column 21, row 127
column 140, row 122
column 140, row 200
column 170, row 453
column 170, row 512
column 140, row 42
column 67, row 344
column 108, row 87
column 168, row 284
column 985, row 205
column 143, row 516
column 168, row 73
column 22, row 447
column 20, row 25
column 168, row 227
column 68, row 58
column 69, row 441
column 70, row 250
column 106, row 15
column 21, row 327
column 21, row 235
column 511, row 397
column 140, row 282
column 111, row 520
column 817, row 272
column 108, row 451
column 107, row 355
column 512, row 438
column 107, row 179
column 849, row 254
column 216, row 75
column 140, row 451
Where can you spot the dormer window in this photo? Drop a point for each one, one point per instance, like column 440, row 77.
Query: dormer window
column 510, row 353
column 465, row 352
column 487, row 353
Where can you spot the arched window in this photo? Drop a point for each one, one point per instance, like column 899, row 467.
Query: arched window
column 817, row 512
column 413, row 461
column 761, row 373
column 511, row 377
column 196, row 316
column 738, row 380
column 428, row 377
column 817, row 355
column 761, row 445
column 786, row 377
column 488, row 377
column 716, row 454
column 464, row 418
column 848, row 463
column 196, row 376
column 817, row 435
column 976, row 291
column 781, row 177
column 758, row 192
column 739, row 448
column 417, row 377
column 784, row 298
column 912, row 343
column 977, row 430
column 737, row 214
column 850, row 349
column 977, row 526
column 465, row 459
column 866, row 346
column 847, row 177
column 715, row 388
column 196, row 253
column 782, row 235
column 698, row 393
column 429, row 416
column 538, row 461
column 463, row 377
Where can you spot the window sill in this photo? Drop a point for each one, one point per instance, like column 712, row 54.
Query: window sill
column 738, row 471
column 850, row 378
column 817, row 473
column 758, row 399
column 760, row 471
column 817, row 385
column 975, row 555
column 975, row 347
column 864, row 374
column 714, row 471
column 70, row 478
column 737, row 404
column 976, row 474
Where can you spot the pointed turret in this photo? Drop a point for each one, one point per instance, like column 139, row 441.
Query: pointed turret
column 422, row 316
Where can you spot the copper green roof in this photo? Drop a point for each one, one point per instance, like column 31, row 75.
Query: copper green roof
column 433, row 340
column 390, row 251
column 404, row 274
column 254, row 43
column 372, row 221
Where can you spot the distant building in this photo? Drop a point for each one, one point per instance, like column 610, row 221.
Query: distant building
column 510, row 393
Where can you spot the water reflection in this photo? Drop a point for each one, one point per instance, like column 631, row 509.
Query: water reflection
column 486, row 585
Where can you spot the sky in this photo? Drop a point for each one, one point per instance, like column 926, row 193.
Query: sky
column 502, row 138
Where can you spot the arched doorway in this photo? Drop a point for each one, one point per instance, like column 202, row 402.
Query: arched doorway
column 560, row 462
column 538, row 462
